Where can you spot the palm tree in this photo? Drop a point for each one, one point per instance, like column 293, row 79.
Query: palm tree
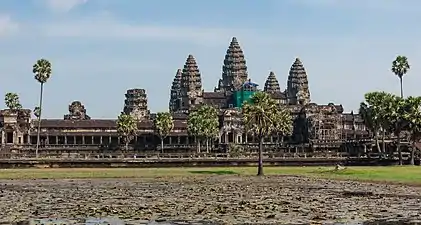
column 12, row 101
column 384, row 112
column 395, row 119
column 163, row 125
column 412, row 117
column 263, row 117
column 127, row 128
column 370, row 122
column 42, row 70
column 400, row 67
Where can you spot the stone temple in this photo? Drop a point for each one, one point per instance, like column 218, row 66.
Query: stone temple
column 317, row 127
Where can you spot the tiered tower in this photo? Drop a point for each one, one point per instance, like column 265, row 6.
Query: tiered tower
column 297, row 88
column 234, row 70
column 175, row 91
column 191, row 92
column 77, row 111
column 136, row 104
column 272, row 84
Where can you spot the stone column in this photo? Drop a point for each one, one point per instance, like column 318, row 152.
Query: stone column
column 3, row 137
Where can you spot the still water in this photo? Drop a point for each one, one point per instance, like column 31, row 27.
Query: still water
column 112, row 221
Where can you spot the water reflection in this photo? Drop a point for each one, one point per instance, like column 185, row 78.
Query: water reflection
column 114, row 221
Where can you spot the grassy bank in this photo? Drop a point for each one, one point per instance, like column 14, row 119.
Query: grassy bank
column 404, row 174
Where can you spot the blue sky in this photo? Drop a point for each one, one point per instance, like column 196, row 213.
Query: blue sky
column 101, row 48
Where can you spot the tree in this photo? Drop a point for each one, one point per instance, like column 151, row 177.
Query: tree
column 127, row 128
column 203, row 123
column 12, row 101
column 376, row 103
column 371, row 122
column 400, row 67
column 42, row 70
column 195, row 126
column 210, row 122
column 412, row 116
column 36, row 112
column 163, row 125
column 263, row 117
column 383, row 113
column 394, row 119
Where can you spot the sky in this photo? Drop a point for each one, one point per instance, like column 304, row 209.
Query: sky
column 101, row 48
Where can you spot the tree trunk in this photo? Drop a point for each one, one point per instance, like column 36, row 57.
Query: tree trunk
column 260, row 163
column 398, row 148
column 376, row 138
column 127, row 145
column 207, row 145
column 198, row 145
column 412, row 155
column 39, row 120
column 413, row 152
column 383, row 141
column 400, row 80
column 162, row 145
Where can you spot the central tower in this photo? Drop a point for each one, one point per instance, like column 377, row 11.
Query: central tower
column 234, row 70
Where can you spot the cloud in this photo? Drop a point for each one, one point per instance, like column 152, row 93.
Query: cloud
column 7, row 25
column 371, row 5
column 105, row 26
column 63, row 5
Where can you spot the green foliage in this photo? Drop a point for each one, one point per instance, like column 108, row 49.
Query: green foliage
column 42, row 70
column 381, row 110
column 400, row 66
column 203, row 122
column 12, row 101
column 127, row 127
column 412, row 117
column 263, row 116
column 163, row 124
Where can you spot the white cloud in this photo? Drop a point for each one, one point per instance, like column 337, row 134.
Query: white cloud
column 63, row 5
column 7, row 25
column 104, row 26
column 371, row 5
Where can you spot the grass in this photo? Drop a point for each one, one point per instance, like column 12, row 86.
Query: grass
column 395, row 174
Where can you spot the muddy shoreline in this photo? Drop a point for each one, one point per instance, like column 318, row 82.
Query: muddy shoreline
column 227, row 199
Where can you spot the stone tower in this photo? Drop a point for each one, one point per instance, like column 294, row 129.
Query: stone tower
column 136, row 104
column 175, row 91
column 297, row 86
column 77, row 111
column 234, row 70
column 191, row 92
column 272, row 84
